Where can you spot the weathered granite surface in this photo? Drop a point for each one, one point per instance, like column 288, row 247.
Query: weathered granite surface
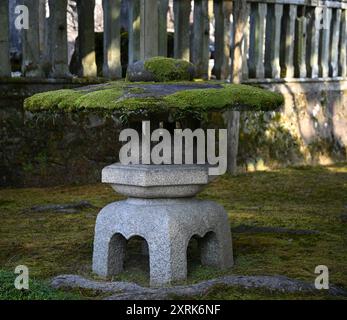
column 166, row 217
column 167, row 226
column 156, row 181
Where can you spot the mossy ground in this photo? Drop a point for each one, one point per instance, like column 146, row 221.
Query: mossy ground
column 313, row 198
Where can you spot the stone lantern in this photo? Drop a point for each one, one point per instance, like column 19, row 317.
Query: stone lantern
column 161, row 206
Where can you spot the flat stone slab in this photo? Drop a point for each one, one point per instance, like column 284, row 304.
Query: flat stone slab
column 132, row 291
column 156, row 181
column 155, row 175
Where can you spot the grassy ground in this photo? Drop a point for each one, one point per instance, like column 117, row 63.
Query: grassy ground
column 296, row 198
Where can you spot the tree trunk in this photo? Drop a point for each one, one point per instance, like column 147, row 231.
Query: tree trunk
column 5, row 66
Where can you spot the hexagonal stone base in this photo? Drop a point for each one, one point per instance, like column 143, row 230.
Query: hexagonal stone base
column 167, row 225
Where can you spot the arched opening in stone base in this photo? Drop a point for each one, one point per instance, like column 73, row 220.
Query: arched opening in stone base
column 136, row 264
column 201, row 253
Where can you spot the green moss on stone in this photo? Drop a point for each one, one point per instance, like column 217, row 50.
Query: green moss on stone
column 168, row 69
column 138, row 98
column 98, row 99
column 229, row 97
column 59, row 99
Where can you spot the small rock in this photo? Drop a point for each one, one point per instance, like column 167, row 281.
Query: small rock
column 161, row 69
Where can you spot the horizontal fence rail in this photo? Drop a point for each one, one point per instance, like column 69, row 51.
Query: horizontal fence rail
column 295, row 39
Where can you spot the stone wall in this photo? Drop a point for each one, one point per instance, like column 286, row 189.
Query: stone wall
column 47, row 149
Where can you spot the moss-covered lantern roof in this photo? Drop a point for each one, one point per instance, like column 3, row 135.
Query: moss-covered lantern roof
column 173, row 97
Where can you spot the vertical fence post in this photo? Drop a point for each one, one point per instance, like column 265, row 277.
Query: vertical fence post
column 112, row 67
column 314, row 27
column 226, row 64
column 300, row 53
column 273, row 44
column 134, row 31
column 245, row 44
column 86, row 38
column 260, row 40
column 343, row 46
column 289, row 41
column 149, row 36
column 31, row 42
column 239, row 54
column 219, row 37
column 5, row 66
column 200, row 50
column 182, row 11
column 327, row 15
column 58, row 39
column 42, row 27
column 334, row 64
column 162, row 25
